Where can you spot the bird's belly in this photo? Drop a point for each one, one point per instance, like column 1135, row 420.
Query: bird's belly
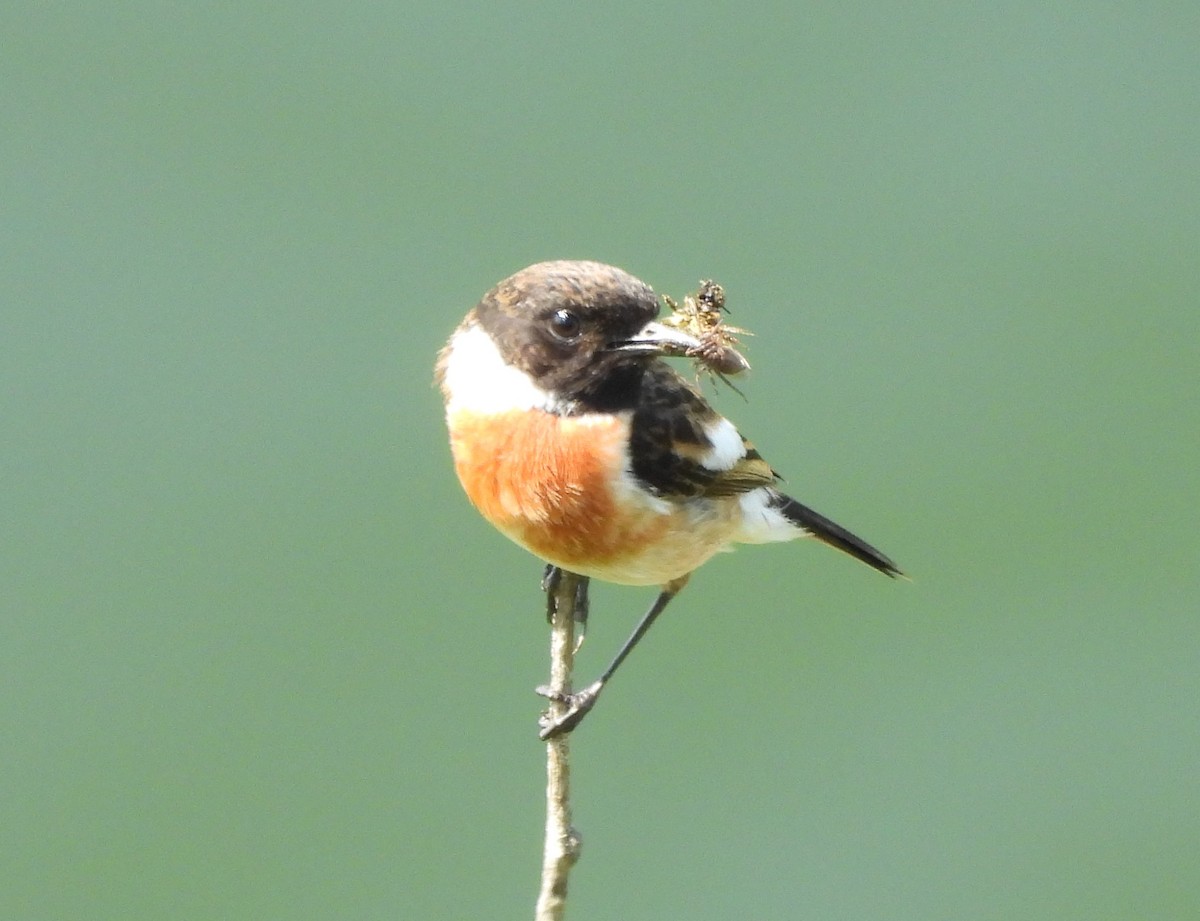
column 560, row 486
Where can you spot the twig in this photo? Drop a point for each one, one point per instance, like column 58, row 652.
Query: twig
column 562, row 841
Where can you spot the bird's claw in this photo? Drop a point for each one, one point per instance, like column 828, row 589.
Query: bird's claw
column 578, row 705
column 551, row 577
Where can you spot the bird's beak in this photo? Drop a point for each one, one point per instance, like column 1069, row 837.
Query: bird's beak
column 657, row 338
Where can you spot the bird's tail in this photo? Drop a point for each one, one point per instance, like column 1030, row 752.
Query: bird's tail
column 835, row 535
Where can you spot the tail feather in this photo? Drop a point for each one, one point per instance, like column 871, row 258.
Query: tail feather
column 835, row 536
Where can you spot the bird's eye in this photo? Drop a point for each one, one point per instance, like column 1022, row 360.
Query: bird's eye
column 565, row 324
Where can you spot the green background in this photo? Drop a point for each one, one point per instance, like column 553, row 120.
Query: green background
column 260, row 659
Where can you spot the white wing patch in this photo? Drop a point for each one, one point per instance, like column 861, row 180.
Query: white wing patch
column 727, row 446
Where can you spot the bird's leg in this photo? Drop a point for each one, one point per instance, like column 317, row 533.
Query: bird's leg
column 550, row 579
column 581, row 702
column 551, row 576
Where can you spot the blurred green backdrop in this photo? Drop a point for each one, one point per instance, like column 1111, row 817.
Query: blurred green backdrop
column 260, row 659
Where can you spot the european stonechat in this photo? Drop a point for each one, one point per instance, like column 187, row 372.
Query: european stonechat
column 574, row 438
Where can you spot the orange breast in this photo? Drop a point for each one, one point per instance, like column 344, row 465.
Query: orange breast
column 549, row 482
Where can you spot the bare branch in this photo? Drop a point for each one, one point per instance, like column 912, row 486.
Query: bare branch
column 562, row 841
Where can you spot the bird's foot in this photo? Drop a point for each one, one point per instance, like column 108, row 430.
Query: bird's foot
column 551, row 578
column 578, row 705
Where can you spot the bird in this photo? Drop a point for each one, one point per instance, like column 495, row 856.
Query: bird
column 574, row 438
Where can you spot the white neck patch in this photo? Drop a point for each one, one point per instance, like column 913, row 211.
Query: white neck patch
column 477, row 379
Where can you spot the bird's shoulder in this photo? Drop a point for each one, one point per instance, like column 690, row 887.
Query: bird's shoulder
column 681, row 447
